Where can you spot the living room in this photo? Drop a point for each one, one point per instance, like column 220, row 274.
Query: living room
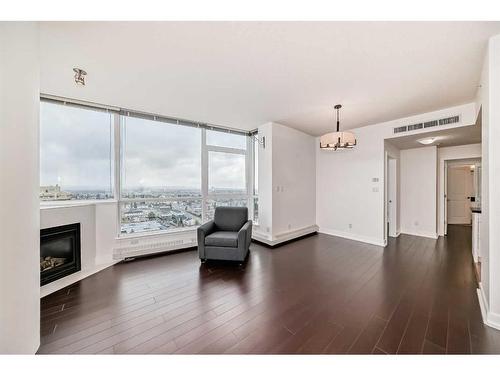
column 249, row 187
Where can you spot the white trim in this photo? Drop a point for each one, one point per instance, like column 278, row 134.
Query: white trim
column 352, row 236
column 73, row 278
column 226, row 150
column 489, row 318
column 284, row 236
column 432, row 235
column 49, row 205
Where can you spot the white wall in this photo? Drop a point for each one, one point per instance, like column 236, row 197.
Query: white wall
column 98, row 221
column 489, row 97
column 349, row 203
column 287, row 178
column 451, row 153
column 493, row 140
column 483, row 102
column 418, row 191
column 265, row 227
column 344, row 180
column 294, row 180
column 19, row 188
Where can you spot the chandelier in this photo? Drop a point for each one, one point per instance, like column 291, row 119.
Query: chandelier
column 337, row 140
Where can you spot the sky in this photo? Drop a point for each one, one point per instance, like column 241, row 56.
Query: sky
column 76, row 148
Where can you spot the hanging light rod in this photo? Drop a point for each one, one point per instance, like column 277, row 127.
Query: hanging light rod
column 337, row 140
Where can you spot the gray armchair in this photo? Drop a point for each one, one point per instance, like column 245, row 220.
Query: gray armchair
column 227, row 236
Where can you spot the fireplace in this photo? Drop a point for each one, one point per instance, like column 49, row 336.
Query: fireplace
column 59, row 252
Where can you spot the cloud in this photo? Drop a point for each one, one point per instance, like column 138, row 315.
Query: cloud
column 77, row 150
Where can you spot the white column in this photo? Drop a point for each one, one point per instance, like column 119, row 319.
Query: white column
column 493, row 165
column 19, row 188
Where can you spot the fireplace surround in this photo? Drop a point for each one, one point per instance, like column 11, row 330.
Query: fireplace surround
column 60, row 252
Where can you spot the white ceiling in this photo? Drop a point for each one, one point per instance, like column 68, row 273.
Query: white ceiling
column 244, row 74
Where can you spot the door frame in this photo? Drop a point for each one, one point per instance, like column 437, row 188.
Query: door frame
column 447, row 163
column 392, row 202
column 386, row 196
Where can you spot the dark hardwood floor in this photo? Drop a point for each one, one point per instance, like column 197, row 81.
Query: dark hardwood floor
column 320, row 294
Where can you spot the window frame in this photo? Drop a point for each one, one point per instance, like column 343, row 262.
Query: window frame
column 205, row 197
column 117, row 162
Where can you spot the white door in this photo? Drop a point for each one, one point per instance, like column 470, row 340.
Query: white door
column 392, row 198
column 460, row 183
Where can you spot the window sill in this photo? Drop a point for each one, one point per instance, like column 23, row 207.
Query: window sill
column 47, row 205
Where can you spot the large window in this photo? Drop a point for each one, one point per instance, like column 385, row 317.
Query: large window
column 165, row 182
column 227, row 171
column 160, row 160
column 170, row 175
column 161, row 176
column 76, row 153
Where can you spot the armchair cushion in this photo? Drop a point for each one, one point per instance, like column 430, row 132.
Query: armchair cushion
column 222, row 239
column 230, row 218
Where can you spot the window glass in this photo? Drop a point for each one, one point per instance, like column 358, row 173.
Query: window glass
column 160, row 160
column 76, row 153
column 223, row 202
column 226, row 173
column 137, row 216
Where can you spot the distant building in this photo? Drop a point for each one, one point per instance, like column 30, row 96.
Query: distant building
column 54, row 193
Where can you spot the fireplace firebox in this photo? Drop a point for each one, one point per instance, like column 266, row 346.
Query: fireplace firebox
column 59, row 252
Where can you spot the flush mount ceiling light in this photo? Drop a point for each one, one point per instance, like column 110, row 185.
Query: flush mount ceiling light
column 426, row 141
column 80, row 76
column 337, row 140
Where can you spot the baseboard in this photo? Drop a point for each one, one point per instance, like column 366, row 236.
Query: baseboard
column 284, row 236
column 73, row 278
column 490, row 319
column 434, row 236
column 353, row 236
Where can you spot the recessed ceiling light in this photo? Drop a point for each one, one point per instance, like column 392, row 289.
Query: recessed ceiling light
column 80, row 76
column 426, row 141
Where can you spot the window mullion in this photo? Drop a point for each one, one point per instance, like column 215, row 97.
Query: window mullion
column 204, row 175
column 118, row 165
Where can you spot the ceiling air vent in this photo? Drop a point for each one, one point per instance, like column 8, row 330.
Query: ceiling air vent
column 400, row 129
column 449, row 120
column 415, row 126
column 430, row 124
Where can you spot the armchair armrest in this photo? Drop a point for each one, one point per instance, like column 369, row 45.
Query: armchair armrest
column 203, row 231
column 207, row 228
column 245, row 235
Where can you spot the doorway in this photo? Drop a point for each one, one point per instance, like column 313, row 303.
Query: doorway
column 392, row 197
column 462, row 190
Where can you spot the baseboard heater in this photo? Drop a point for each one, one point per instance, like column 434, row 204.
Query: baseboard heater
column 150, row 248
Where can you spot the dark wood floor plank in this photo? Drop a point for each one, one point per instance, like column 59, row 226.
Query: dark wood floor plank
column 320, row 294
column 366, row 341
